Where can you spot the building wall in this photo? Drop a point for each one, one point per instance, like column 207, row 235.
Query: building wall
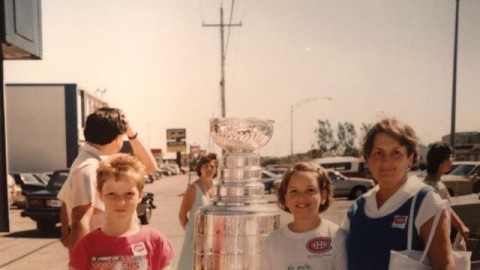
column 36, row 126
column 44, row 125
column 462, row 138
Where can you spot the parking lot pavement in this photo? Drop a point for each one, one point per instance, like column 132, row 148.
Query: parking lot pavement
column 26, row 248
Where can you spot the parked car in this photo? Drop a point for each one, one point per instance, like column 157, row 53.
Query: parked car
column 343, row 186
column 348, row 166
column 423, row 173
column 277, row 171
column 165, row 171
column 464, row 179
column 351, row 187
column 43, row 206
column 26, row 183
column 172, row 167
column 152, row 177
column 267, row 179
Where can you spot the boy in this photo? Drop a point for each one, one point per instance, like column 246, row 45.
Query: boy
column 121, row 242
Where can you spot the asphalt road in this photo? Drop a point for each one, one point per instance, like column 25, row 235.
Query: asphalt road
column 26, row 248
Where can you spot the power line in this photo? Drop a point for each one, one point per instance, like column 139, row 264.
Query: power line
column 222, row 56
column 229, row 22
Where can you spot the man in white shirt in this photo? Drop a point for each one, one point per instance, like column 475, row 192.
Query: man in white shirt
column 82, row 210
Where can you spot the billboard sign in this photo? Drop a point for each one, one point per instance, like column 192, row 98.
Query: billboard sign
column 174, row 146
column 176, row 134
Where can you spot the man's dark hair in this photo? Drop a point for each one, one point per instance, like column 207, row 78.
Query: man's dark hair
column 438, row 153
column 104, row 125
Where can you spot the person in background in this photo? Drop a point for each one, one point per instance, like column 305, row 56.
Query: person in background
column 307, row 241
column 121, row 242
column 82, row 210
column 376, row 222
column 439, row 162
column 198, row 194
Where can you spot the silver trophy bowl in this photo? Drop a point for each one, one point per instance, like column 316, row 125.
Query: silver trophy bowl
column 229, row 233
column 241, row 134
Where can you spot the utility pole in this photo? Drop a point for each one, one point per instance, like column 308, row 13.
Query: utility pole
column 454, row 80
column 222, row 56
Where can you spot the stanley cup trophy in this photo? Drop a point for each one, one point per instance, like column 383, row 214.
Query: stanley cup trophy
column 229, row 233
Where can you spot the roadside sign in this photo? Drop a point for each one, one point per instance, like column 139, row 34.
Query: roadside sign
column 174, row 146
column 176, row 134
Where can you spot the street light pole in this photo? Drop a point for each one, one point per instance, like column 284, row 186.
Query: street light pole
column 454, row 80
column 293, row 107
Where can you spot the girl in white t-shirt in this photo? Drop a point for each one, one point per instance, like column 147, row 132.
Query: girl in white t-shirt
column 307, row 241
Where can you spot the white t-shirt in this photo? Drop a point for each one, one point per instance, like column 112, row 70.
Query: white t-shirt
column 287, row 250
column 80, row 188
column 440, row 187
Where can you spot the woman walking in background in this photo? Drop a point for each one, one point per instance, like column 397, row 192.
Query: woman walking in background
column 198, row 194
column 439, row 162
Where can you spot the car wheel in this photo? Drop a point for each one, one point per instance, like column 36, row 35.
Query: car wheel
column 476, row 187
column 46, row 226
column 145, row 219
column 356, row 192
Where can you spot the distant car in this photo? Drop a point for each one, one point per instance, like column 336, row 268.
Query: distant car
column 343, row 186
column 423, row 173
column 152, row 177
column 351, row 187
column 165, row 171
column 464, row 179
column 348, row 166
column 278, row 171
column 267, row 179
column 172, row 167
column 26, row 183
column 43, row 206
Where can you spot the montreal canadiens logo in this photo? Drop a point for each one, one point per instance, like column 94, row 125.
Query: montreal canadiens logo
column 400, row 219
column 319, row 245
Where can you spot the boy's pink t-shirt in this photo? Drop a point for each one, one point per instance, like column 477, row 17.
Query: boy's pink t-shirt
column 146, row 250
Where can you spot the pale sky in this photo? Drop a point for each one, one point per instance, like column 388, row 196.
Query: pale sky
column 374, row 58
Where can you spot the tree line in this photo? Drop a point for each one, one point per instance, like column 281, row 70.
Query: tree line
column 342, row 141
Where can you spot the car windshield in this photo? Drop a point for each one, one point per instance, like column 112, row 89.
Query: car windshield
column 334, row 175
column 57, row 180
column 43, row 177
column 462, row 170
column 31, row 179
column 267, row 174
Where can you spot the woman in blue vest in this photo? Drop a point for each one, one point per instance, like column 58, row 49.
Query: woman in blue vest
column 377, row 222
